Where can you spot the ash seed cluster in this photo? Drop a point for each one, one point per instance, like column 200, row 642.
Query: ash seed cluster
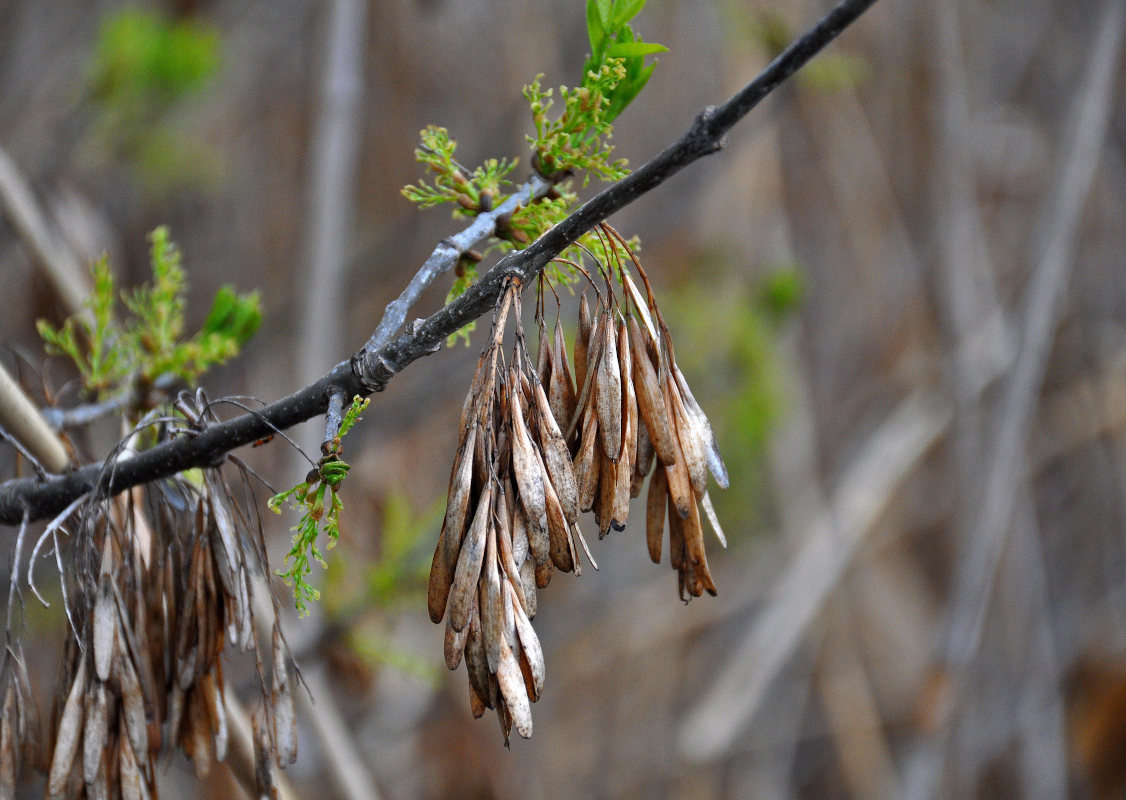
column 537, row 447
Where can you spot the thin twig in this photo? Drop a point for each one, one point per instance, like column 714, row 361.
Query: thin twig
column 80, row 416
column 373, row 366
column 446, row 255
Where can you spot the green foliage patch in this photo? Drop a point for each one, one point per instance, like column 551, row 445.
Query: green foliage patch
column 149, row 342
column 320, row 507
column 573, row 143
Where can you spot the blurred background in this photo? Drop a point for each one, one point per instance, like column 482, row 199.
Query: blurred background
column 898, row 292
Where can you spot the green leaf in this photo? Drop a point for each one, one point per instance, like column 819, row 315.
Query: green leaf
column 603, row 8
column 233, row 315
column 624, row 11
column 595, row 30
column 635, row 49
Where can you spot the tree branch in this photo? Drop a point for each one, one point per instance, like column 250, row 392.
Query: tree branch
column 381, row 358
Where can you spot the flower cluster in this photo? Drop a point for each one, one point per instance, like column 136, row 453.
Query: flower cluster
column 539, row 444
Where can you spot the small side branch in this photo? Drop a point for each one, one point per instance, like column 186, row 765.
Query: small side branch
column 448, row 252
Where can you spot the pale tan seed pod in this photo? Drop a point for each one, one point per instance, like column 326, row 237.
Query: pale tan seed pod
column 696, row 556
column 558, row 530
column 629, row 396
column 715, row 460
column 543, row 573
column 530, row 650
column 453, row 529
column 94, row 730
column 476, row 662
column 680, row 484
column 620, row 493
column 577, row 534
column 491, row 602
column 504, row 718
column 557, row 458
column 198, row 740
column 469, row 404
column 608, row 392
column 30, row 749
column 655, row 513
column 644, row 464
column 177, row 700
column 105, row 626
column 284, row 718
column 468, row 568
column 519, row 522
column 544, row 358
column 526, row 467
column 713, row 520
column 265, row 777
column 651, row 399
column 483, row 449
column 582, row 340
column 453, row 645
column 217, row 712
column 69, row 733
column 9, row 743
column 607, row 484
column 132, row 704
column 228, row 553
column 623, row 470
column 693, row 446
column 588, row 463
column 561, row 388
column 133, row 784
column 441, row 578
column 476, row 704
column 676, row 537
column 515, row 694
column 528, row 583
column 241, row 630
column 504, row 548
column 586, row 394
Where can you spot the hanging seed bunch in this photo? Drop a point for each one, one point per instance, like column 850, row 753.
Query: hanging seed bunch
column 636, row 415
column 510, row 522
column 19, row 723
column 161, row 586
column 540, row 444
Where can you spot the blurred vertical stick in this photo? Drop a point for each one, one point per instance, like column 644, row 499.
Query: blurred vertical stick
column 1004, row 466
column 1054, row 242
column 847, row 696
column 345, row 763
column 61, row 267
column 871, row 479
column 979, row 340
column 332, row 170
column 1042, row 719
column 18, row 414
column 20, row 417
column 331, row 202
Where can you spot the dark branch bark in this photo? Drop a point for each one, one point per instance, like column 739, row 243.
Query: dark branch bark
column 381, row 358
